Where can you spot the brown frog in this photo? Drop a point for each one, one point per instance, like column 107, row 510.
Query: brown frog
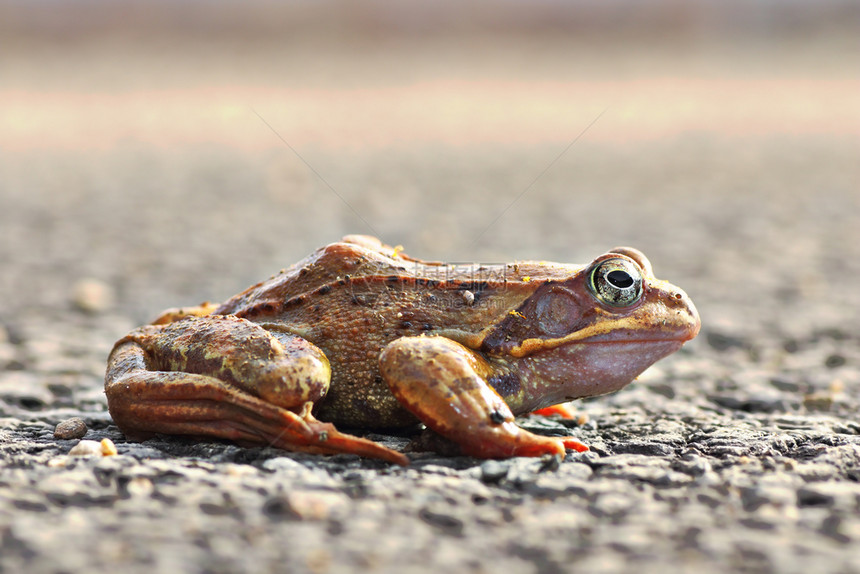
column 358, row 334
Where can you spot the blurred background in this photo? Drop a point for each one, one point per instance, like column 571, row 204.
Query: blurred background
column 173, row 152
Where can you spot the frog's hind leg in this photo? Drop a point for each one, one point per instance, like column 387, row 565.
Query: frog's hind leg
column 444, row 384
column 152, row 387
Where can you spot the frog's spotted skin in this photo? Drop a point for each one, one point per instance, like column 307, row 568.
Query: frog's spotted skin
column 362, row 335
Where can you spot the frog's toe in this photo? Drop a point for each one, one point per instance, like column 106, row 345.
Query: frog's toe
column 177, row 313
column 561, row 410
column 574, row 444
column 336, row 442
column 514, row 441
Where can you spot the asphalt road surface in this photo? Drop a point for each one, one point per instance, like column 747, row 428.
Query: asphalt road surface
column 150, row 171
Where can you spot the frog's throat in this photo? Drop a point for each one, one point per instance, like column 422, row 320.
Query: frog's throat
column 529, row 346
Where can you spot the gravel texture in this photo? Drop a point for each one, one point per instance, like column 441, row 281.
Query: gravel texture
column 740, row 453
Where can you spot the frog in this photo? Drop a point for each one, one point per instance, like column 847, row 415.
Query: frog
column 360, row 335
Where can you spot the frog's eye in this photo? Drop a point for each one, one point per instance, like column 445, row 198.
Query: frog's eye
column 616, row 282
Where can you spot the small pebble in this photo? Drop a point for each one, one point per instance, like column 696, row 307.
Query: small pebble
column 140, row 486
column 818, row 401
column 92, row 295
column 108, row 447
column 92, row 448
column 86, row 448
column 492, row 471
column 70, row 429
column 306, row 505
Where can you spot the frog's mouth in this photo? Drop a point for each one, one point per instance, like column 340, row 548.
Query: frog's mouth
column 624, row 331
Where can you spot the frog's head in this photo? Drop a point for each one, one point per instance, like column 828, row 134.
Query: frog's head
column 595, row 331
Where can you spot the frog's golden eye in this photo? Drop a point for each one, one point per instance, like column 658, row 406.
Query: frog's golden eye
column 616, row 282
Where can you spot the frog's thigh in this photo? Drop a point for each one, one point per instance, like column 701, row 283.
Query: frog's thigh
column 143, row 402
column 444, row 384
column 282, row 369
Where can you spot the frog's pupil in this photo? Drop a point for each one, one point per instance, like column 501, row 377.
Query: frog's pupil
column 619, row 279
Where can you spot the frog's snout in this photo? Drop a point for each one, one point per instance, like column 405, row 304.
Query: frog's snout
column 692, row 322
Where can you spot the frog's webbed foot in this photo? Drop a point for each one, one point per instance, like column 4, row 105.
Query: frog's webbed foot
column 444, row 384
column 149, row 395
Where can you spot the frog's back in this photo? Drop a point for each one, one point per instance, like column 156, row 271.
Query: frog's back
column 352, row 298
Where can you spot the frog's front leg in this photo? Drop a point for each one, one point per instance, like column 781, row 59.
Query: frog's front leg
column 445, row 385
column 225, row 377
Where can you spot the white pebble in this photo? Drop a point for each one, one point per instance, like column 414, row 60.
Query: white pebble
column 86, row 448
column 92, row 295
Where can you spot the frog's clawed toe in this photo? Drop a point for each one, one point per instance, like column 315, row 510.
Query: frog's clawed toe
column 574, row 444
column 312, row 435
column 338, row 442
column 520, row 442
